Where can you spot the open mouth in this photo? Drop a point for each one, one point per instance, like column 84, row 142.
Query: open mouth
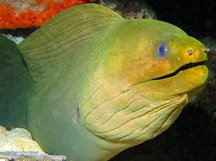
column 182, row 68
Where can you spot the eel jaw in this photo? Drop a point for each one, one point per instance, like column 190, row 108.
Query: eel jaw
column 182, row 68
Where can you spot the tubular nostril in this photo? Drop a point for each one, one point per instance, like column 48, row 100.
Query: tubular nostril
column 206, row 49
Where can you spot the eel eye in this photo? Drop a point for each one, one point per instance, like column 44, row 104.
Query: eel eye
column 162, row 50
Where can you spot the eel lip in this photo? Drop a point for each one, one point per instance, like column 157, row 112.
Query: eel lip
column 182, row 68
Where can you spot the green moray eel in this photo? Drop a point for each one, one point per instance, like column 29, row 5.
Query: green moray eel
column 15, row 85
column 101, row 83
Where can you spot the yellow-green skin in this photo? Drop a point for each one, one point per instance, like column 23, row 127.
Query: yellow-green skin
column 102, row 91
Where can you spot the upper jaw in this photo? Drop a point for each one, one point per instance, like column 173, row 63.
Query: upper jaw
column 182, row 68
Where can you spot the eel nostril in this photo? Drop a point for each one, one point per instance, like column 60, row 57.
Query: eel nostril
column 206, row 49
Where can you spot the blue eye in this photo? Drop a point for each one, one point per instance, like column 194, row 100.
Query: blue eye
column 162, row 50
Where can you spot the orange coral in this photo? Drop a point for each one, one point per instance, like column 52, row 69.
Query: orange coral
column 25, row 14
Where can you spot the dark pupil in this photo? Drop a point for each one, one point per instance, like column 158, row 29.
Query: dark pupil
column 162, row 50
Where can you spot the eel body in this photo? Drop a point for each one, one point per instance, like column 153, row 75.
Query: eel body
column 102, row 83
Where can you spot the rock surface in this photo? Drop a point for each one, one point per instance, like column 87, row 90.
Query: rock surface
column 130, row 9
column 17, row 139
column 17, row 145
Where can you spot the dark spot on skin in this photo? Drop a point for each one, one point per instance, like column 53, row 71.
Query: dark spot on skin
column 77, row 114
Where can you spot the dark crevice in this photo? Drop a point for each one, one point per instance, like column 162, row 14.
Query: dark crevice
column 182, row 68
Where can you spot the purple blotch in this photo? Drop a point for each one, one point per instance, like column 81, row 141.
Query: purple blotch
column 77, row 114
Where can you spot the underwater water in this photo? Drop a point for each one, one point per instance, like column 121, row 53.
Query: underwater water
column 193, row 136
